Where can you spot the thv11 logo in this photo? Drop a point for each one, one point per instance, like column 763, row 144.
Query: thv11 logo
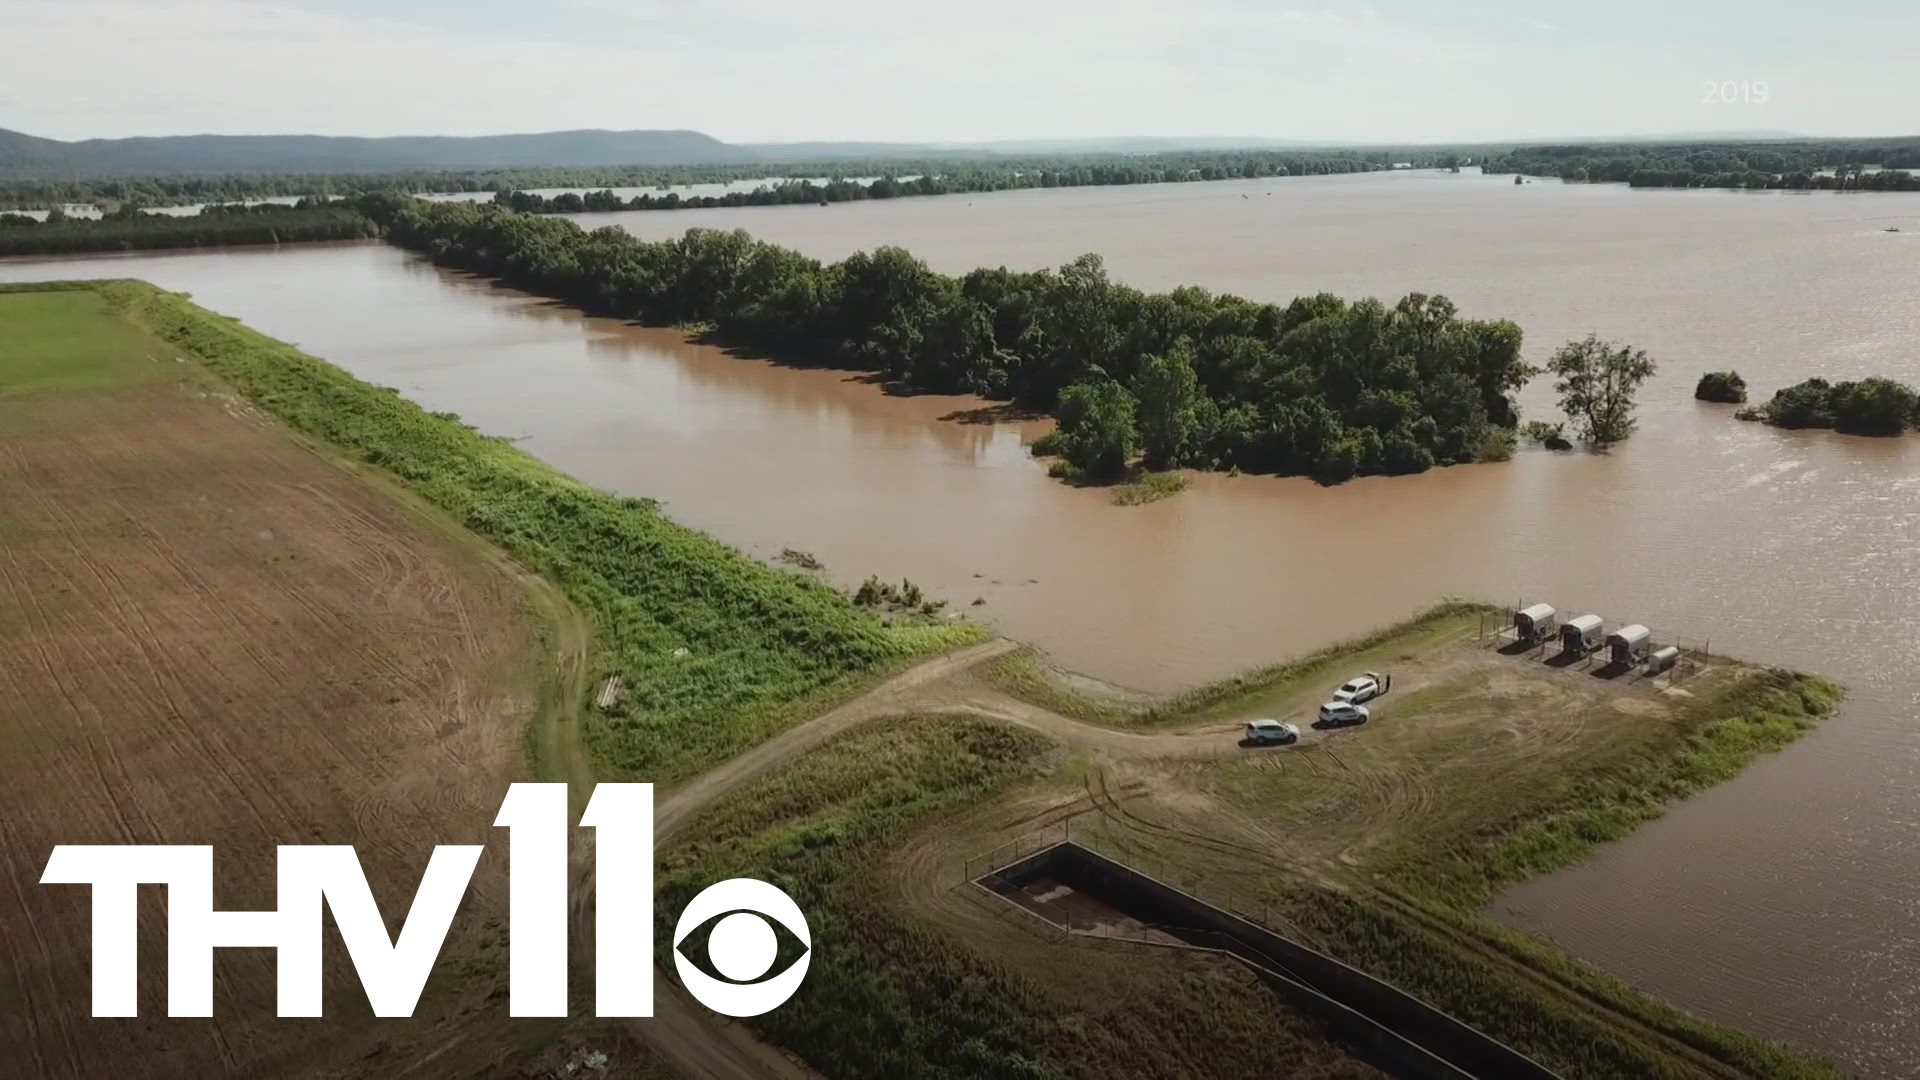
column 742, row 946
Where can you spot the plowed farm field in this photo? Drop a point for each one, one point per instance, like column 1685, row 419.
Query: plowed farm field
column 211, row 633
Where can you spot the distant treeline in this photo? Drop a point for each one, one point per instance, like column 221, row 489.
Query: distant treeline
column 1322, row 386
column 1785, row 165
column 959, row 174
column 127, row 230
column 806, row 191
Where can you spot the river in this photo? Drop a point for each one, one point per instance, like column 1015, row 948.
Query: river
column 1781, row 902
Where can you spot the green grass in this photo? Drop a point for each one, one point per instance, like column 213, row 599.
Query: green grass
column 1149, row 487
column 70, row 340
column 1607, row 799
column 1522, row 990
column 889, row 994
column 718, row 650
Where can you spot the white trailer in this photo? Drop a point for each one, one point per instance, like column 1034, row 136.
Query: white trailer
column 1581, row 634
column 1533, row 624
column 1629, row 645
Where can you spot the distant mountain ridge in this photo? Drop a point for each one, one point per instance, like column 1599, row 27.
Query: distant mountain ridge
column 22, row 154
column 25, row 156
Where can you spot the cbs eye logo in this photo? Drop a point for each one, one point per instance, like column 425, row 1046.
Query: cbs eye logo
column 742, row 947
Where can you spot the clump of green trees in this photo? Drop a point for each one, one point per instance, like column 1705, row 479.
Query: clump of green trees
column 1725, row 387
column 1321, row 386
column 131, row 228
column 1870, row 406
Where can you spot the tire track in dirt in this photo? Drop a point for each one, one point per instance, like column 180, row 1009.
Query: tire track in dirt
column 10, row 846
column 115, row 589
column 175, row 679
column 100, row 751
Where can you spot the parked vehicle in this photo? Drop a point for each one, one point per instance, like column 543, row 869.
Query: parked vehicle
column 1271, row 733
column 1365, row 688
column 1342, row 714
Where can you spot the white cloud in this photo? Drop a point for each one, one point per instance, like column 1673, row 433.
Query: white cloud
column 925, row 69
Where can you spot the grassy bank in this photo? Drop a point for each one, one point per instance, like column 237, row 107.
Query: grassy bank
column 1531, row 995
column 716, row 649
column 1149, row 487
column 1421, row 923
column 1610, row 797
column 1027, row 676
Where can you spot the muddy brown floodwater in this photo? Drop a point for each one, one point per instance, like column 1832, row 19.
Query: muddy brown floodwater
column 1782, row 902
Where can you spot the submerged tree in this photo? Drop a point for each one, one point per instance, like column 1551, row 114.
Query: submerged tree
column 1596, row 381
column 1870, row 406
column 1725, row 387
column 1874, row 406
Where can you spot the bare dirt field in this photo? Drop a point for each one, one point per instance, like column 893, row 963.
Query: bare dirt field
column 210, row 634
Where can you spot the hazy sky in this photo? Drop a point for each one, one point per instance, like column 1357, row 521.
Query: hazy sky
column 758, row 70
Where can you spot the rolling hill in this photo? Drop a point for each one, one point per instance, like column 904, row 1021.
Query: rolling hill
column 24, row 155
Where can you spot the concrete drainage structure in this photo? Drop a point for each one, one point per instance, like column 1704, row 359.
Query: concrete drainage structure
column 1084, row 892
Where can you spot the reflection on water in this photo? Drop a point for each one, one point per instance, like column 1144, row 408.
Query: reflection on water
column 1779, row 902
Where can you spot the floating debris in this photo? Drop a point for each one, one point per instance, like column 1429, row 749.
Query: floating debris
column 610, row 693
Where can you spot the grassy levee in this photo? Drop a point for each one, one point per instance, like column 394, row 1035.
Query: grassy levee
column 1610, row 797
column 1422, row 925
column 889, row 994
column 717, row 650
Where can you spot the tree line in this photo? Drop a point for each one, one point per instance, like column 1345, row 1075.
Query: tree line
column 792, row 192
column 1831, row 164
column 213, row 226
column 957, row 174
column 1322, row 386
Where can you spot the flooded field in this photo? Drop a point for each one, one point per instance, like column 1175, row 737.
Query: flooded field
column 1781, row 902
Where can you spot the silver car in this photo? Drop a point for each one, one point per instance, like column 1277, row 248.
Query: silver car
column 1341, row 714
column 1271, row 733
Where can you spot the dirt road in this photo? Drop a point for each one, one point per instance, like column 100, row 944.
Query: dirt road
column 694, row 1040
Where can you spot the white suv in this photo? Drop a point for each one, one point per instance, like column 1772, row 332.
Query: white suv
column 1365, row 688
